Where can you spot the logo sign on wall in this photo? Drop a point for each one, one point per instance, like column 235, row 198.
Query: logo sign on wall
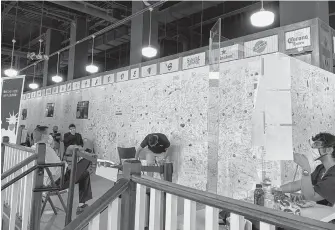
column 298, row 38
column 149, row 70
column 11, row 91
column 194, row 61
column 96, row 81
column 76, row 85
column 261, row 46
column 69, row 87
column 39, row 93
column 108, row 79
column 169, row 66
column 85, row 83
column 229, row 53
column 62, row 88
column 122, row 76
column 33, row 94
column 48, row 92
column 134, row 73
column 55, row 90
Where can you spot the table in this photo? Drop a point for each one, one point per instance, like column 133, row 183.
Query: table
column 319, row 212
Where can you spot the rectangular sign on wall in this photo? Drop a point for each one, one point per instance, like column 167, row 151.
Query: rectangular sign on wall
column 10, row 106
column 62, row 88
column 108, row 79
column 122, row 76
column 149, row 70
column 69, row 87
column 33, row 94
column 85, row 83
column 298, row 38
column 55, row 90
column 134, row 73
column 43, row 92
column 39, row 93
column 48, row 91
column 23, row 97
column 169, row 66
column 28, row 96
column 96, row 81
column 261, row 46
column 194, row 61
column 229, row 53
column 76, row 85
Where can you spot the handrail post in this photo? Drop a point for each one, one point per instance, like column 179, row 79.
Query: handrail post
column 128, row 202
column 68, row 217
column 167, row 175
column 2, row 156
column 36, row 204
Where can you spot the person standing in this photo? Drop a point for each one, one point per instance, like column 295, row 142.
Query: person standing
column 72, row 138
column 157, row 145
column 57, row 137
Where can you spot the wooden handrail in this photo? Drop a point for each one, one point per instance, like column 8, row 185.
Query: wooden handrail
column 98, row 206
column 20, row 165
column 19, row 147
column 9, row 183
column 274, row 217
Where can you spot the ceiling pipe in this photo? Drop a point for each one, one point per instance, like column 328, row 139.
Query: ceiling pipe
column 108, row 28
column 87, row 9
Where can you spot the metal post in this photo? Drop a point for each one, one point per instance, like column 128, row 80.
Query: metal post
column 68, row 217
column 36, row 204
column 128, row 203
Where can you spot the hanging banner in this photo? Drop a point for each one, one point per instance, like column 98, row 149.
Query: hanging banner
column 261, row 46
column 169, row 66
column 122, row 76
column 149, row 70
column 194, row 61
column 298, row 38
column 229, row 53
column 134, row 73
column 10, row 106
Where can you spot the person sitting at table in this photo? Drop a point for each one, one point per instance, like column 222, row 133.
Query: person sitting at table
column 319, row 185
column 157, row 144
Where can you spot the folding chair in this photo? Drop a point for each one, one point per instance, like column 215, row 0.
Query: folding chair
column 53, row 193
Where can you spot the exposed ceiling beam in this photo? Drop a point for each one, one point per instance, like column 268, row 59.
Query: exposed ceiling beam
column 249, row 8
column 7, row 9
column 81, row 7
column 17, row 53
column 184, row 9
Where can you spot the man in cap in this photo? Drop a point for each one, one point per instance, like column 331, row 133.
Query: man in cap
column 318, row 185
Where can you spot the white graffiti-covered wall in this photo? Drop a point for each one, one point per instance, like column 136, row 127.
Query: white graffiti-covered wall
column 123, row 113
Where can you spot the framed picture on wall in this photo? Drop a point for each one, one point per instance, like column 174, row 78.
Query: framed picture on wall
column 50, row 109
column 82, row 110
column 24, row 114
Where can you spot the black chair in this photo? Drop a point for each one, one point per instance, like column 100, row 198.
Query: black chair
column 126, row 153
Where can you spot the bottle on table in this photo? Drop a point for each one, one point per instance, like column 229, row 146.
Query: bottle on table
column 268, row 197
column 259, row 195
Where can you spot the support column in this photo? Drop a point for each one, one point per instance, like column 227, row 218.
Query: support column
column 140, row 26
column 297, row 11
column 53, row 43
column 78, row 54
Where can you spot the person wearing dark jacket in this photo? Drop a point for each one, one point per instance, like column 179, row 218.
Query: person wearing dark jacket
column 72, row 138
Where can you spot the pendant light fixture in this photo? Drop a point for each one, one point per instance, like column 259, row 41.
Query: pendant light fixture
column 11, row 72
column 92, row 68
column 262, row 18
column 33, row 85
column 57, row 78
column 149, row 51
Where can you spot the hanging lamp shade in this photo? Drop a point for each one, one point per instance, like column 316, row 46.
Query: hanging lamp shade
column 33, row 85
column 57, row 78
column 92, row 68
column 149, row 51
column 11, row 72
column 262, row 18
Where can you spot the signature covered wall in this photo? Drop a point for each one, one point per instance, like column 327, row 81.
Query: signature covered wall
column 123, row 113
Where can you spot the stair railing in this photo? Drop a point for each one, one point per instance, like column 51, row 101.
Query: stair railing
column 128, row 212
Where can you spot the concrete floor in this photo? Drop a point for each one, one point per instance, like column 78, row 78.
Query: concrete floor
column 100, row 185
